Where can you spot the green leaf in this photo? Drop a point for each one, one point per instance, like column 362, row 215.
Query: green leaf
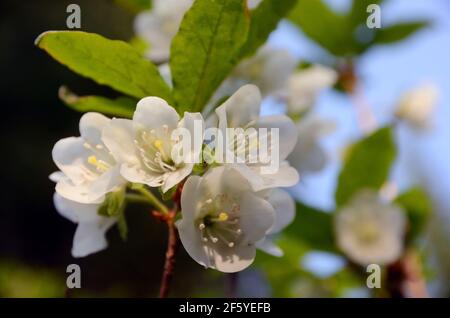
column 398, row 32
column 358, row 14
column 205, row 49
column 168, row 195
column 122, row 226
column 135, row 6
column 121, row 107
column 313, row 228
column 139, row 44
column 108, row 62
column 418, row 207
column 326, row 27
column 264, row 19
column 113, row 205
column 367, row 165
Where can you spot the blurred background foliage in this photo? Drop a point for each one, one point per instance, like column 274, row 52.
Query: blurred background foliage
column 35, row 241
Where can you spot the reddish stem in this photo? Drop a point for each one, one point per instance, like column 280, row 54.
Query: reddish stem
column 169, row 265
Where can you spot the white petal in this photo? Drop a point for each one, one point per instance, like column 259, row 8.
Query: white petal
column 241, row 108
column 164, row 70
column 154, row 112
column 90, row 237
column 175, row 177
column 252, row 4
column 78, row 193
column 195, row 124
column 279, row 65
column 286, row 176
column 90, row 234
column 57, row 176
column 109, row 181
column 232, row 261
column 134, row 174
column 286, row 129
column 67, row 208
column 257, row 216
column 191, row 239
column 188, row 198
column 418, row 105
column 269, row 247
column 70, row 157
column 118, row 137
column 91, row 126
column 284, row 207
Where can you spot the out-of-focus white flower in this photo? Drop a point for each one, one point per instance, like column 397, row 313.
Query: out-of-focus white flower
column 284, row 207
column 242, row 110
column 417, row 105
column 160, row 25
column 164, row 70
column 308, row 155
column 269, row 69
column 223, row 219
column 304, row 85
column 370, row 231
column 90, row 233
column 252, row 4
column 144, row 145
column 90, row 168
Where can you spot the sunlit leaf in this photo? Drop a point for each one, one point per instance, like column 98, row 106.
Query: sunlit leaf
column 120, row 107
column 264, row 19
column 367, row 165
column 398, row 32
column 206, row 49
column 325, row 26
column 418, row 207
column 313, row 228
column 108, row 62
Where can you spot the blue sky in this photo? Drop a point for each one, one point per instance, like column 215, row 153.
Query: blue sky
column 424, row 158
column 388, row 71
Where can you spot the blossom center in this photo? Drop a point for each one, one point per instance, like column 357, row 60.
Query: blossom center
column 154, row 150
column 98, row 162
column 219, row 223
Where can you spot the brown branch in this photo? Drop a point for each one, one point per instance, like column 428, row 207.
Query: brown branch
column 169, row 265
column 231, row 281
column 349, row 81
column 405, row 277
column 172, row 244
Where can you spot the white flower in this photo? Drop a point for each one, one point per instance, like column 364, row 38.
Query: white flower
column 90, row 168
column 417, row 106
column 144, row 145
column 90, row 233
column 269, row 69
column 304, row 86
column 252, row 4
column 222, row 220
column 242, row 110
column 308, row 155
column 160, row 25
column 370, row 231
column 284, row 207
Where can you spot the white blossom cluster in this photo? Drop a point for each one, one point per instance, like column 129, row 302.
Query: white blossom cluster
column 226, row 213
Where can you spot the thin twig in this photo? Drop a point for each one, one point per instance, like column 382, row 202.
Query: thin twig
column 169, row 265
column 231, row 284
column 172, row 244
column 152, row 199
column 405, row 277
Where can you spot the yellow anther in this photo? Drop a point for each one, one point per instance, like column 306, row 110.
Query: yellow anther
column 223, row 216
column 158, row 143
column 93, row 160
column 98, row 164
